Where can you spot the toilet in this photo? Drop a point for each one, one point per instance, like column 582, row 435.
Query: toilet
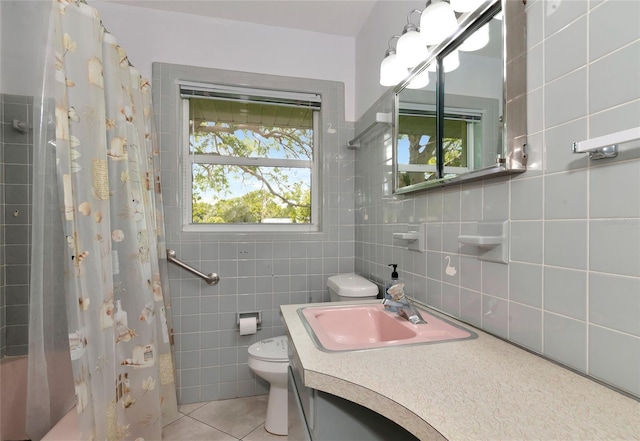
column 269, row 359
column 350, row 287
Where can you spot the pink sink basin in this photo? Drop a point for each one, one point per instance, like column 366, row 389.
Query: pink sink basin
column 357, row 327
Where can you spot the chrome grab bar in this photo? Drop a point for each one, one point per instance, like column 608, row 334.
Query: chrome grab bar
column 211, row 279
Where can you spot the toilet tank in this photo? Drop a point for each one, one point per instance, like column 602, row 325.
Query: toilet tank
column 351, row 286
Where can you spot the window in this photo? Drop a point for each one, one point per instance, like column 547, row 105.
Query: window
column 249, row 159
column 417, row 142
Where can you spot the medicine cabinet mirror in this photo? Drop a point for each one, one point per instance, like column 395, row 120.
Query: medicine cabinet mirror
column 461, row 114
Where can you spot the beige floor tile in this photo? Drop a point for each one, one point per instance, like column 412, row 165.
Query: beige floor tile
column 260, row 434
column 237, row 417
column 188, row 408
column 188, row 429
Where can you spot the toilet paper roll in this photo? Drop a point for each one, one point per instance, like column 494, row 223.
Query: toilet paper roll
column 248, row 326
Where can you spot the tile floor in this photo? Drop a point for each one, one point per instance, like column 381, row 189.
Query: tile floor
column 224, row 420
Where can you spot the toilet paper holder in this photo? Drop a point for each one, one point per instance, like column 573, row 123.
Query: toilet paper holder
column 256, row 314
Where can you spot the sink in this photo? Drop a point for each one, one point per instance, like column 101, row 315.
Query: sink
column 369, row 326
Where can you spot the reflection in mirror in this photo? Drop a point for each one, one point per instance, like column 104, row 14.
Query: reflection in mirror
column 473, row 102
column 450, row 122
column 416, row 151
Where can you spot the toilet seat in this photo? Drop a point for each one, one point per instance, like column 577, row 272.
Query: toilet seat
column 272, row 349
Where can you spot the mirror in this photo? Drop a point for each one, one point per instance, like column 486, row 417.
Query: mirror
column 461, row 114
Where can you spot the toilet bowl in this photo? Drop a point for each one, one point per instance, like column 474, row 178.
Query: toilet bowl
column 269, row 360
column 349, row 287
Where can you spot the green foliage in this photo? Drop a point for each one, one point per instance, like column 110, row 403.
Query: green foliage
column 253, row 207
column 280, row 192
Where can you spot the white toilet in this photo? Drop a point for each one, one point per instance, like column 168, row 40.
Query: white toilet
column 269, row 359
column 350, row 287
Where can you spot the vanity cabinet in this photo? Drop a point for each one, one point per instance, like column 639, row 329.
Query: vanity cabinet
column 315, row 415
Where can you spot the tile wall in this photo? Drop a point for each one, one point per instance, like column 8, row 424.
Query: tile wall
column 259, row 272
column 571, row 289
column 15, row 212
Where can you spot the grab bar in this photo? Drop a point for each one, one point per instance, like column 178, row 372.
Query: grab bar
column 384, row 118
column 211, row 279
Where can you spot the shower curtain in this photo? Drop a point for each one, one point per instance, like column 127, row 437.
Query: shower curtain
column 103, row 243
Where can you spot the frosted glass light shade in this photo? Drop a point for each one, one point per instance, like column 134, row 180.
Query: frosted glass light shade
column 391, row 71
column 411, row 49
column 437, row 22
column 451, row 61
column 421, row 80
column 465, row 5
column 477, row 40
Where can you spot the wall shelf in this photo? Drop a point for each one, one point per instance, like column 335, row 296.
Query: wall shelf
column 415, row 237
column 492, row 240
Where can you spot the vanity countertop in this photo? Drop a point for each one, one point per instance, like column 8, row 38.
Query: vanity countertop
column 480, row 389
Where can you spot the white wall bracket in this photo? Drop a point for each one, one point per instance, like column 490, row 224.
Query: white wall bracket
column 492, row 240
column 415, row 237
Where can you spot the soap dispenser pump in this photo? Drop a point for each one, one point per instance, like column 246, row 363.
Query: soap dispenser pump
column 393, row 281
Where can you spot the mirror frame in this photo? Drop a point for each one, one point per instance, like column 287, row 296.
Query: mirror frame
column 514, row 96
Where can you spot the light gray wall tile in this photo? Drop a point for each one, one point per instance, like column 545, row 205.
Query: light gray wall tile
column 470, row 273
column 471, row 203
column 614, row 302
column 566, row 50
column 571, row 201
column 451, row 299
column 614, row 246
column 525, row 284
column 615, row 190
column 525, row 326
column 495, row 279
column 558, row 141
column 434, row 236
column 450, row 233
column 526, row 241
column 620, row 71
column 526, row 199
column 535, row 22
column 434, row 293
column 615, row 358
column 495, row 202
column 565, row 244
column 566, row 98
column 535, row 67
column 471, row 306
column 565, row 292
column 558, row 14
column 565, row 340
column 621, row 31
column 495, row 315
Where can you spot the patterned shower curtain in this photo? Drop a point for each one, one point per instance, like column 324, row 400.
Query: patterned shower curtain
column 115, row 266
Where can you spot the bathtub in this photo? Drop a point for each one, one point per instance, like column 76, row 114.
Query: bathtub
column 66, row 429
column 13, row 401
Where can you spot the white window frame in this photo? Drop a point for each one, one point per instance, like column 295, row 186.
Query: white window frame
column 187, row 160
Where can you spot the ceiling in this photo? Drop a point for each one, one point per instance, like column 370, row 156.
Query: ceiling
column 338, row 17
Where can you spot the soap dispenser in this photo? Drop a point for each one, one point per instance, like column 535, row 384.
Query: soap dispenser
column 394, row 280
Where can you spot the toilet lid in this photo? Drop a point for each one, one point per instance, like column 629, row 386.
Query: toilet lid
column 270, row 349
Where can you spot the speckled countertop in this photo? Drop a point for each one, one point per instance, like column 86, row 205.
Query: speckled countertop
column 481, row 389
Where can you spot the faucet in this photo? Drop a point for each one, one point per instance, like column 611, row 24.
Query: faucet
column 405, row 309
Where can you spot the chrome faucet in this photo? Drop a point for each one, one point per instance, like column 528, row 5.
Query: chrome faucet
column 405, row 309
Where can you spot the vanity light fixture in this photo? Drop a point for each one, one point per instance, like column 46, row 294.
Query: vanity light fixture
column 437, row 22
column 392, row 71
column 449, row 63
column 410, row 48
column 465, row 5
column 477, row 40
column 419, row 81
